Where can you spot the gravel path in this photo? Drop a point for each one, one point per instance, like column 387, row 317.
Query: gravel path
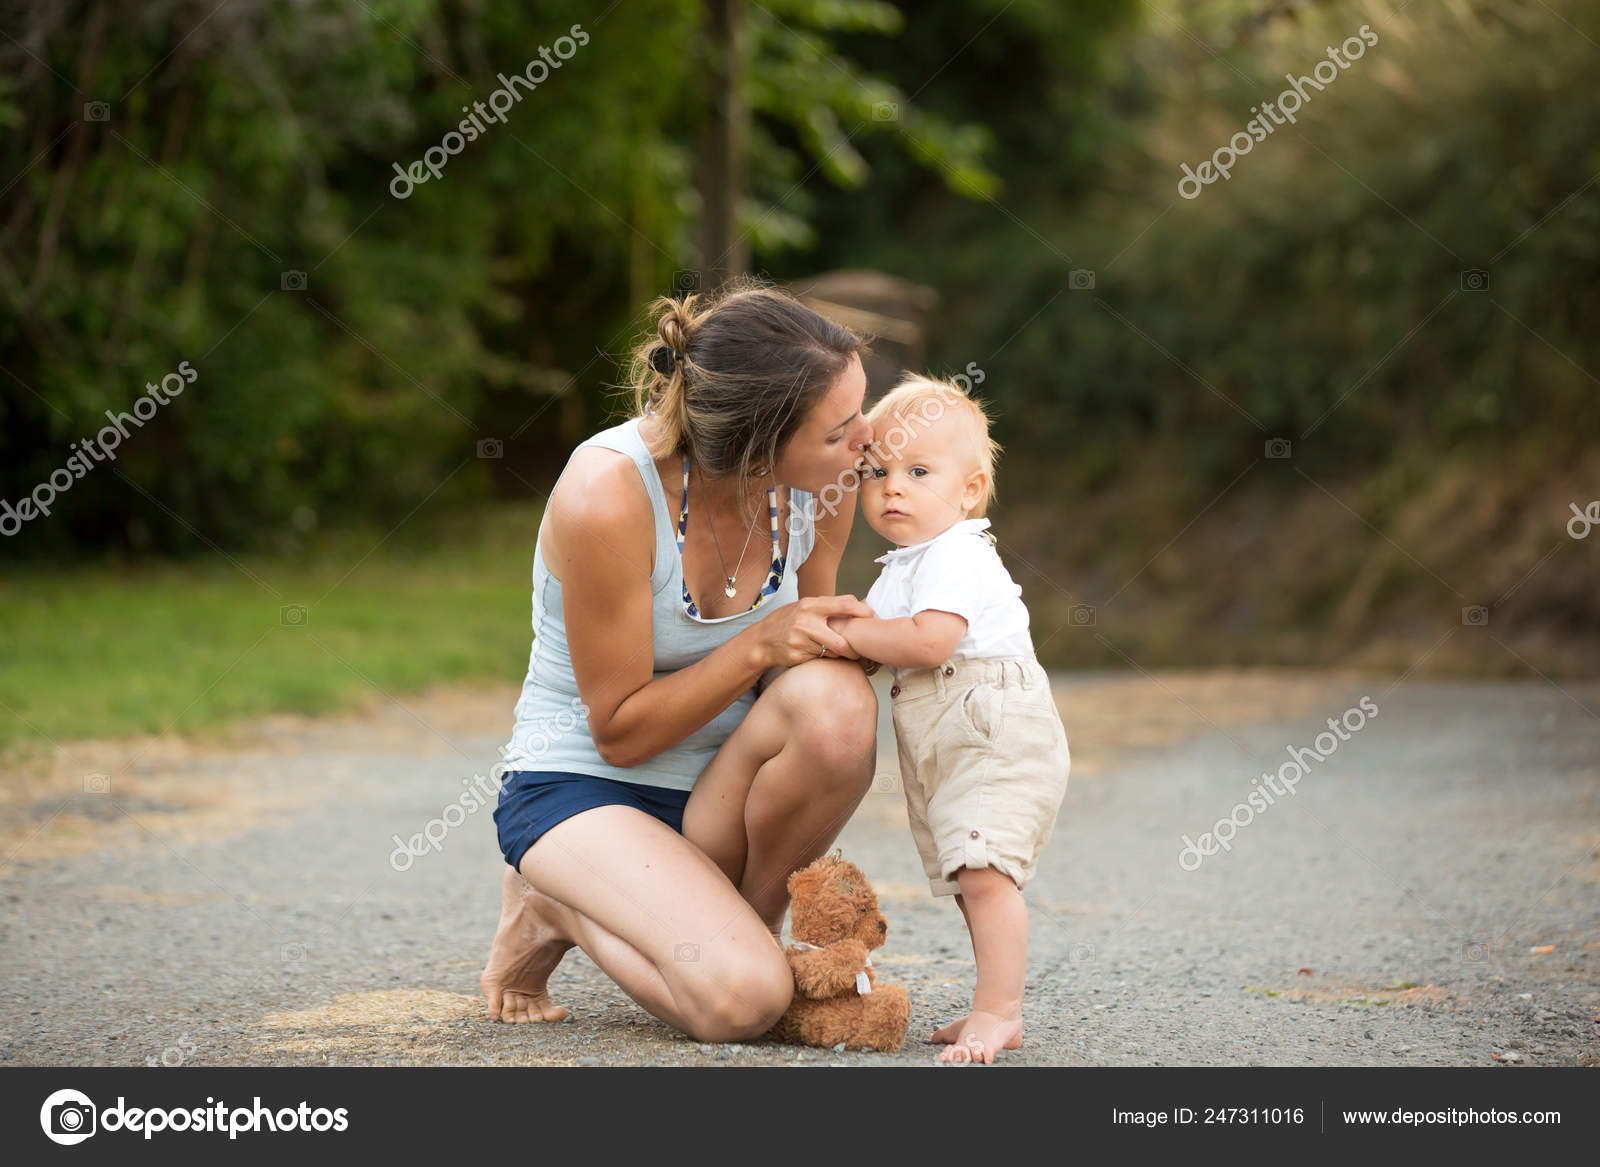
column 225, row 906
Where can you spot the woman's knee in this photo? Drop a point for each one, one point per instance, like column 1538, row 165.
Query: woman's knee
column 834, row 713
column 739, row 998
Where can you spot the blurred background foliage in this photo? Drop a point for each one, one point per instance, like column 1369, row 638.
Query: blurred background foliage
column 257, row 138
column 1440, row 421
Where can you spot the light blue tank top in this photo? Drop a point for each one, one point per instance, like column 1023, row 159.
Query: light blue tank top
column 551, row 730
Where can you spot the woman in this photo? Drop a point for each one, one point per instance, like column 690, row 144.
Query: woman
column 720, row 742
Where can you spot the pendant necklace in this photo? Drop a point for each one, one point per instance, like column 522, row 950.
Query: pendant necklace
column 728, row 588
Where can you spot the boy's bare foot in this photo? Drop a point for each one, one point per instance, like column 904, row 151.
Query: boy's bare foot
column 984, row 1035
column 949, row 1033
column 527, row 948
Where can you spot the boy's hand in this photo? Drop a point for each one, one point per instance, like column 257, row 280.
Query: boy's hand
column 839, row 624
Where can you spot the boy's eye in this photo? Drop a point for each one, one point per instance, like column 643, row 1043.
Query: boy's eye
column 918, row 471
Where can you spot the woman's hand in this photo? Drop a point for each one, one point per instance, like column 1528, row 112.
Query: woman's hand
column 799, row 632
column 839, row 624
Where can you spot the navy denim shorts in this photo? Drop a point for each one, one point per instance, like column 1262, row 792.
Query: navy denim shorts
column 533, row 801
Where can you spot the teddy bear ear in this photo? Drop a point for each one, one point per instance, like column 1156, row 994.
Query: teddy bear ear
column 804, row 879
column 844, row 884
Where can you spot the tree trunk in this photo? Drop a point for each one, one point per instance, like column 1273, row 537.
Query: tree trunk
column 724, row 250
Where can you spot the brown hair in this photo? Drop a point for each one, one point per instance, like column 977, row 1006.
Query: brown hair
column 730, row 377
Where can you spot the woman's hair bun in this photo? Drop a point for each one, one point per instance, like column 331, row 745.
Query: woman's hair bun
column 675, row 323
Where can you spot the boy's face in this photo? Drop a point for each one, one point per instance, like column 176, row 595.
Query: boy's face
column 929, row 483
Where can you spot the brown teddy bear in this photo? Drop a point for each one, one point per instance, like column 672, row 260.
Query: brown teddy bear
column 835, row 922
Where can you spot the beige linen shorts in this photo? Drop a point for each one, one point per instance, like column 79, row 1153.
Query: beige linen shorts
column 984, row 763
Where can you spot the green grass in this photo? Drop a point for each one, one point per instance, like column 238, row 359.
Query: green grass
column 104, row 651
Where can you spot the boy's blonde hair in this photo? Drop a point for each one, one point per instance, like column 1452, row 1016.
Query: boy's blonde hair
column 908, row 404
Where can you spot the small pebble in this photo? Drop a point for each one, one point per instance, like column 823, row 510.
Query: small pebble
column 705, row 1049
column 588, row 1061
column 839, row 1049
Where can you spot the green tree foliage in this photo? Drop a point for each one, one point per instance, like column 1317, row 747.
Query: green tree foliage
column 1327, row 292
column 165, row 163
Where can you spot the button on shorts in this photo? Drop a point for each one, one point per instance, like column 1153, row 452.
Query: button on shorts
column 984, row 764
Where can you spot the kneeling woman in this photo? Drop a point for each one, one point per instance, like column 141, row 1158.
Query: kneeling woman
column 721, row 741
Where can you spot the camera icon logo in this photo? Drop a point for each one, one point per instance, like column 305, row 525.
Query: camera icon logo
column 294, row 953
column 1079, row 953
column 885, row 784
column 292, row 281
column 686, row 952
column 1081, row 280
column 491, row 448
column 97, row 111
column 1081, row 615
column 292, row 615
column 68, row 1117
column 1278, row 447
column 96, row 784
column 1474, row 953
column 1475, row 616
column 1474, row 279
column 885, row 111
column 686, row 280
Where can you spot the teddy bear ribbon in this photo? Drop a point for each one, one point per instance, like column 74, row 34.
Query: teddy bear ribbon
column 863, row 985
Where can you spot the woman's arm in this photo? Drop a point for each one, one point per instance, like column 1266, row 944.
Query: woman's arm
column 600, row 531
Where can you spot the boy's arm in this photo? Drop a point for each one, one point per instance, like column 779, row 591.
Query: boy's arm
column 909, row 642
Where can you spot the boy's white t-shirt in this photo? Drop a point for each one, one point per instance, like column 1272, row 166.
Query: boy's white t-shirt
column 958, row 571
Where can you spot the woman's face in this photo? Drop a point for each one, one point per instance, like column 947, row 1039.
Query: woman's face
column 829, row 441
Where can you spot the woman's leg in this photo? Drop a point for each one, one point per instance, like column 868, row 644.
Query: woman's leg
column 652, row 912
column 783, row 785
column 773, row 798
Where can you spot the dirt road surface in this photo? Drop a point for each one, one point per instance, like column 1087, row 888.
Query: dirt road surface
column 1428, row 895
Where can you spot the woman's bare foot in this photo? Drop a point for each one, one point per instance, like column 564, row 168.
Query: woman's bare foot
column 527, row 948
column 983, row 1036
